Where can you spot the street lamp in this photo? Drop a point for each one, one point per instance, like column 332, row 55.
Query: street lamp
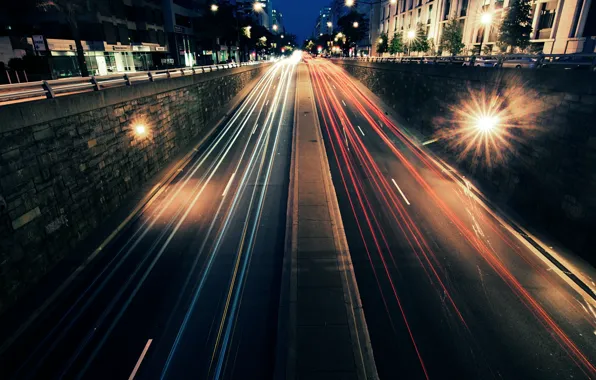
column 411, row 36
column 275, row 26
column 380, row 40
column 485, row 19
column 349, row 3
column 487, row 123
column 282, row 36
column 355, row 24
column 214, row 7
column 258, row 6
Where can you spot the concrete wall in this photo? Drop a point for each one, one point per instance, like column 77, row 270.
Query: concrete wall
column 66, row 164
column 549, row 175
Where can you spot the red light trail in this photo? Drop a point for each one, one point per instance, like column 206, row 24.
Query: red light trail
column 347, row 141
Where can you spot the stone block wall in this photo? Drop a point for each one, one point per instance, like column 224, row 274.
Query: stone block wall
column 67, row 163
column 549, row 175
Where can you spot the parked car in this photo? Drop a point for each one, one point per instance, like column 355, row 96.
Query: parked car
column 570, row 62
column 482, row 62
column 520, row 62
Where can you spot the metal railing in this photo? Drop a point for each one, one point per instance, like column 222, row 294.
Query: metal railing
column 49, row 89
column 536, row 61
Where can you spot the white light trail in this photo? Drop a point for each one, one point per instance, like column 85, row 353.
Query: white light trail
column 401, row 192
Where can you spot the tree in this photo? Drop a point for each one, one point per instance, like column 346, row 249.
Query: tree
column 383, row 43
column 351, row 33
column 420, row 43
column 517, row 26
column 397, row 43
column 451, row 40
column 71, row 9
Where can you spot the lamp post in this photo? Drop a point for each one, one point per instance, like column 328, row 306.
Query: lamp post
column 214, row 7
column 485, row 19
column 411, row 35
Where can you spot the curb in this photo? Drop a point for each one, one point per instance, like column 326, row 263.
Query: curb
column 363, row 353
column 285, row 364
column 286, row 335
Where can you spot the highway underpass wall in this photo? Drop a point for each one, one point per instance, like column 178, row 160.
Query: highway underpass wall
column 66, row 164
column 549, row 175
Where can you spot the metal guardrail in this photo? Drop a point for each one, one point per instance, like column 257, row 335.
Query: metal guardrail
column 539, row 61
column 59, row 87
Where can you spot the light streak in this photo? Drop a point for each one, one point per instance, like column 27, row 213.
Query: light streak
column 360, row 129
column 109, row 270
column 229, row 183
column 479, row 245
column 401, row 192
column 138, row 365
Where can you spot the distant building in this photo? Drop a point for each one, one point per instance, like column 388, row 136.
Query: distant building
column 278, row 20
column 559, row 26
column 264, row 17
column 179, row 19
column 321, row 24
column 117, row 35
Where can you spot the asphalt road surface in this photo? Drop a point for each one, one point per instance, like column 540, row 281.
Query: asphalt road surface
column 190, row 288
column 448, row 290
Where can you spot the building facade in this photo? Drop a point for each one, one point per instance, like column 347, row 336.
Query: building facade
column 116, row 36
column 558, row 26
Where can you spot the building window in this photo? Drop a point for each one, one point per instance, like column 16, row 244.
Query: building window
column 183, row 20
column 418, row 16
column 547, row 16
column 464, row 8
column 430, row 13
column 395, row 25
column 419, row 3
column 446, row 10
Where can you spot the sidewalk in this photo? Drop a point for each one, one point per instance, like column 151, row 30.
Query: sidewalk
column 327, row 337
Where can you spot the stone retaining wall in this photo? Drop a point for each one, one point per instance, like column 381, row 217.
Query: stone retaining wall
column 67, row 163
column 549, row 174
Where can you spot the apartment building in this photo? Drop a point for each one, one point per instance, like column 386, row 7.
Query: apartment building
column 559, row 26
column 117, row 35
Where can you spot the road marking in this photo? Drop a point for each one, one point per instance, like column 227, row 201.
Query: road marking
column 134, row 371
column 401, row 192
column 334, row 87
column 430, row 141
column 360, row 130
column 228, row 185
column 267, row 103
column 255, row 128
column 344, row 103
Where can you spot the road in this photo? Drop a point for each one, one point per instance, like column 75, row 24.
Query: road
column 449, row 291
column 190, row 288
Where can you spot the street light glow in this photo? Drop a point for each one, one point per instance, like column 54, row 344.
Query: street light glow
column 258, row 6
column 274, row 26
column 380, row 40
column 411, row 34
column 355, row 24
column 214, row 7
column 486, row 18
column 487, row 123
column 329, row 24
column 393, row 1
column 140, row 130
column 349, row 3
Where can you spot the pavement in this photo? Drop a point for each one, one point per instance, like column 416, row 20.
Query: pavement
column 189, row 286
column 449, row 289
column 328, row 337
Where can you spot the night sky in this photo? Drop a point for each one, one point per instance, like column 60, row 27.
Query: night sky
column 300, row 15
